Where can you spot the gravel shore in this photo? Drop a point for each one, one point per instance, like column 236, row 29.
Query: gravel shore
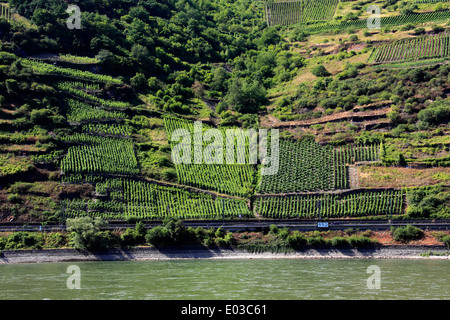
column 150, row 253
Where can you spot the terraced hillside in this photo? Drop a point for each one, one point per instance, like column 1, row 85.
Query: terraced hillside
column 95, row 120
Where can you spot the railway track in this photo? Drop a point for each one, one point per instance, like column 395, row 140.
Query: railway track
column 257, row 225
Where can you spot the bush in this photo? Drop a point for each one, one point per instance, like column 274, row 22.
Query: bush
column 438, row 29
column 23, row 240
column 14, row 198
column 273, row 229
column 320, row 71
column 220, row 233
column 133, row 236
column 435, row 113
column 198, row 233
column 208, row 241
column 54, row 240
column 366, row 233
column 229, row 238
column 158, row 236
column 367, row 33
column 296, row 240
column 339, row 242
column 360, row 242
column 169, row 174
column 316, row 241
column 428, row 202
column 350, row 231
column 446, row 241
column 3, row 241
column 407, row 27
column 283, row 233
column 107, row 239
column 220, row 242
column 408, row 233
column 139, row 82
column 172, row 232
column 419, row 31
column 86, row 233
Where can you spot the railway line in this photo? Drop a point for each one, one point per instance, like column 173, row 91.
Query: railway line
column 255, row 225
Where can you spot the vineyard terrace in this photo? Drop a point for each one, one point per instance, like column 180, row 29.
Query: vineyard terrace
column 213, row 153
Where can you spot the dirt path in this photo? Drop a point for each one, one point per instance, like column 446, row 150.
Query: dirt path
column 342, row 115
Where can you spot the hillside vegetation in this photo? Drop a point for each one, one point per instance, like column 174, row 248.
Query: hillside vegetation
column 88, row 115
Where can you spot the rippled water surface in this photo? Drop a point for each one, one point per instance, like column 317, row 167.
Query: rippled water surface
column 230, row 279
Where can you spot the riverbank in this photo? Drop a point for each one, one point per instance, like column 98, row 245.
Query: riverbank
column 177, row 253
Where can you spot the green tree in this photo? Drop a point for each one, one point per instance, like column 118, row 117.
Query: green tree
column 436, row 112
column 140, row 53
column 138, row 82
column 158, row 236
column 401, row 160
column 134, row 236
column 86, row 232
column 246, row 97
column 218, row 82
column 40, row 116
column 269, row 36
column 408, row 233
column 320, row 71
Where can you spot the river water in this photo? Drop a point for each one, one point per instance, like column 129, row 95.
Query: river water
column 253, row 279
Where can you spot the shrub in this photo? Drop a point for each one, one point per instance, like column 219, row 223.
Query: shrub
column 273, row 229
column 366, row 233
column 419, row 31
column 199, row 233
column 428, row 202
column 3, row 241
column 407, row 27
column 22, row 240
column 229, row 238
column 360, row 242
column 129, row 237
column 438, row 29
column 85, row 233
column 435, row 113
column 446, row 241
column 296, row 240
column 158, row 236
column 139, row 82
column 208, row 241
column 169, row 174
column 106, row 239
column 339, row 242
column 283, row 233
column 408, row 233
column 53, row 176
column 14, row 198
column 54, row 240
column 172, row 232
column 320, row 71
column 316, row 241
column 350, row 231
column 220, row 242
column 220, row 233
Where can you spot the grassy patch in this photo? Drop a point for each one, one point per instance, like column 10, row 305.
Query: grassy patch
column 10, row 164
column 396, row 177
